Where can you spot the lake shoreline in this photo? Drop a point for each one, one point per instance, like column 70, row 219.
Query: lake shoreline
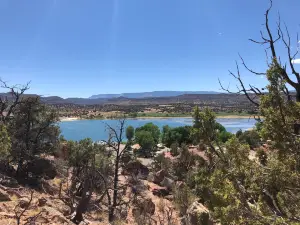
column 79, row 129
column 69, row 119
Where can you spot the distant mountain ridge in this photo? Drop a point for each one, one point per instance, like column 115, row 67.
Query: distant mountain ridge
column 221, row 99
column 154, row 94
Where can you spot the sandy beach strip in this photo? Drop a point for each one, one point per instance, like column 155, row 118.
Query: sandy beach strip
column 63, row 119
column 68, row 118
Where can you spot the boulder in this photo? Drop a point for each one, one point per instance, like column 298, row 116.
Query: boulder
column 7, row 169
column 150, row 177
column 58, row 205
column 143, row 206
column 42, row 220
column 159, row 176
column 24, row 203
column 40, row 167
column 135, row 167
column 42, row 202
column 136, row 212
column 65, row 210
column 8, row 181
column 161, row 192
column 4, row 197
column 197, row 214
column 48, row 188
column 168, row 183
column 55, row 216
column 12, row 192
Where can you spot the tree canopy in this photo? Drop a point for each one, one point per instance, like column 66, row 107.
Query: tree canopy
column 153, row 130
column 177, row 134
column 129, row 133
column 145, row 139
column 240, row 190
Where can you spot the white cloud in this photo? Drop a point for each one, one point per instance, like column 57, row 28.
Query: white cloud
column 296, row 61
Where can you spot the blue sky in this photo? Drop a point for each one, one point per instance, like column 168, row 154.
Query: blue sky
column 76, row 48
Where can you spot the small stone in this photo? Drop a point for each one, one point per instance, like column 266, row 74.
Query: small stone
column 4, row 197
column 159, row 176
column 42, row 202
column 24, row 203
column 168, row 183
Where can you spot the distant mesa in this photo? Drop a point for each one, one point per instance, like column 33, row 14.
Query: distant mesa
column 155, row 97
column 155, row 94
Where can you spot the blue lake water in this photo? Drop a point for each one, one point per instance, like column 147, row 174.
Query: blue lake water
column 96, row 129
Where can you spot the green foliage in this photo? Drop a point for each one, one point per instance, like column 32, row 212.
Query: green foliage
column 33, row 131
column 183, row 198
column 195, row 135
column 239, row 133
column 279, row 114
column 262, row 156
column 185, row 162
column 259, row 126
column 62, row 138
column 237, row 189
column 224, row 136
column 220, row 128
column 178, row 135
column 164, row 134
column 196, row 116
column 129, row 133
column 150, row 128
column 81, row 153
column 207, row 127
column 160, row 162
column 85, row 153
column 5, row 142
column 145, row 139
column 250, row 137
column 133, row 115
column 174, row 149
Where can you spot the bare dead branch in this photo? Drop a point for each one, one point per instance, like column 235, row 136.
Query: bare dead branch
column 19, row 214
column 250, row 70
column 287, row 44
column 271, row 41
column 16, row 93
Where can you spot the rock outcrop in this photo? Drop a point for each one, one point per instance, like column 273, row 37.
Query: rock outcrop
column 197, row 214
column 135, row 167
column 8, row 181
column 143, row 206
column 4, row 197
column 159, row 176
column 168, row 183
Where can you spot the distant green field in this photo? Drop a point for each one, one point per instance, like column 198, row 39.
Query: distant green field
column 164, row 115
column 233, row 114
column 186, row 114
column 218, row 114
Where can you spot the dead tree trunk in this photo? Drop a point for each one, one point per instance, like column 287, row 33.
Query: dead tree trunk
column 84, row 202
column 116, row 147
column 115, row 191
